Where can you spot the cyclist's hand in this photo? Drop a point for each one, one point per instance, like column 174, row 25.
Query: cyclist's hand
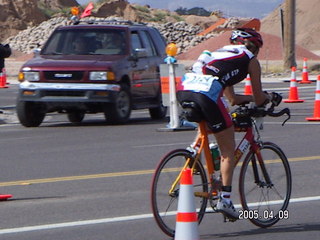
column 276, row 98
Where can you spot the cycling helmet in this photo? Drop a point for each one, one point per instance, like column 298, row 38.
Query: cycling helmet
column 246, row 34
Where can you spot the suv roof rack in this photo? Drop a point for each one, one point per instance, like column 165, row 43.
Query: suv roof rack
column 105, row 21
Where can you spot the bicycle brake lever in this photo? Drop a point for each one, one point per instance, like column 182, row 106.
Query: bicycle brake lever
column 287, row 111
column 271, row 108
column 271, row 113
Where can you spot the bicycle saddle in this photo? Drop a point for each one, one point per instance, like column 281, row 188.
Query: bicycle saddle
column 192, row 111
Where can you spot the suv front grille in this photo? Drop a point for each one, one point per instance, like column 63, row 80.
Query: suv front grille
column 63, row 75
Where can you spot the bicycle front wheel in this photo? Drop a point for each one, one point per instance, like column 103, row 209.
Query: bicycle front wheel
column 265, row 186
column 165, row 204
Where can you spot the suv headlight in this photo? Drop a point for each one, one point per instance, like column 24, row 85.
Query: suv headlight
column 29, row 76
column 101, row 76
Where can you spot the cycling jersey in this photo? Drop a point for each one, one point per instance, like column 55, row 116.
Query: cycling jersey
column 229, row 63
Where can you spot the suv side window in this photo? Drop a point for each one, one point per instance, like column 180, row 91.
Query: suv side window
column 135, row 41
column 148, row 43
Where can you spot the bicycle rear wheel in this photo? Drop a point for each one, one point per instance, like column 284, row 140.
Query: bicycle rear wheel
column 264, row 200
column 165, row 205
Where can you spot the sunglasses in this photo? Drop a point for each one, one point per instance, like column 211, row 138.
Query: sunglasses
column 238, row 33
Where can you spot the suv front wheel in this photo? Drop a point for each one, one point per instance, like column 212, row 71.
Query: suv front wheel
column 30, row 114
column 119, row 111
column 76, row 116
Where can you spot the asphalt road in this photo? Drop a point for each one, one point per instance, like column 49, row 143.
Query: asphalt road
column 92, row 181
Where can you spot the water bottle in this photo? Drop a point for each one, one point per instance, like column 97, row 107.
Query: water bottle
column 215, row 156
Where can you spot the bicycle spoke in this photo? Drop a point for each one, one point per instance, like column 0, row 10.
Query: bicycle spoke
column 170, row 203
column 265, row 187
column 165, row 204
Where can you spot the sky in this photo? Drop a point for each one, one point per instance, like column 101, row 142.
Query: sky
column 231, row 8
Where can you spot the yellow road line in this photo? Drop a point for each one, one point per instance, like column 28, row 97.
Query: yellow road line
column 73, row 178
column 116, row 174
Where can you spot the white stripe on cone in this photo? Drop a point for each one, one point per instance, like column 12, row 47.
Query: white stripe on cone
column 316, row 112
column 186, row 224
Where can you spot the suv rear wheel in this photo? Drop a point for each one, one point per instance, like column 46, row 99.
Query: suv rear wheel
column 119, row 111
column 30, row 114
column 158, row 112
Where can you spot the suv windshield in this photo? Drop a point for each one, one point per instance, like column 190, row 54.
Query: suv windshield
column 86, row 42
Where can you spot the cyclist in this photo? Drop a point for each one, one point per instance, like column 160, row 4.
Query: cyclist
column 229, row 65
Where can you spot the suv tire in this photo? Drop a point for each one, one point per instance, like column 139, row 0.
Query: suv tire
column 158, row 112
column 119, row 111
column 76, row 116
column 30, row 114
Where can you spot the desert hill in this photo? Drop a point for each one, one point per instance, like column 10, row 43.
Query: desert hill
column 272, row 49
column 307, row 24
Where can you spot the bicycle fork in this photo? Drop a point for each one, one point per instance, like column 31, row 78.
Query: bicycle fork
column 257, row 157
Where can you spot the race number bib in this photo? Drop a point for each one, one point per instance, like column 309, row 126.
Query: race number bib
column 197, row 82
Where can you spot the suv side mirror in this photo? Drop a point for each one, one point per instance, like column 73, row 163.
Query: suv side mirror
column 140, row 53
column 36, row 52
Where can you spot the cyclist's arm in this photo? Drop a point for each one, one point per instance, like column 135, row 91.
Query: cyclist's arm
column 236, row 99
column 254, row 70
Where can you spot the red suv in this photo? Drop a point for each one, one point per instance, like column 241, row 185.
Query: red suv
column 110, row 67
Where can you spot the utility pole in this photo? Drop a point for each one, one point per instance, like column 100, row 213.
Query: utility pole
column 289, row 34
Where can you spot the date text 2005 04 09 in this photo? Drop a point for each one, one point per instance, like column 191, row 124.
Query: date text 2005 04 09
column 266, row 214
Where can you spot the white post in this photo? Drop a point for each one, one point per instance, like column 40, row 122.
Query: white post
column 174, row 115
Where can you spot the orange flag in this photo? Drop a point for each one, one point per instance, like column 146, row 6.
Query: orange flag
column 87, row 10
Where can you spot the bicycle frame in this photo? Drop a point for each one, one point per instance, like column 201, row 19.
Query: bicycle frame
column 202, row 145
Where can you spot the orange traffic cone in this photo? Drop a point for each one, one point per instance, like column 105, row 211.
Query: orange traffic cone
column 3, row 79
column 247, row 86
column 305, row 75
column 316, row 114
column 187, row 220
column 293, row 94
column 4, row 197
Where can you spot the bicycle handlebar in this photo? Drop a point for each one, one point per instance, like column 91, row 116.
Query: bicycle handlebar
column 262, row 112
column 271, row 113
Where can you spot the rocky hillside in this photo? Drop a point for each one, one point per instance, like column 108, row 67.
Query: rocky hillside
column 19, row 15
column 26, row 24
column 184, row 34
column 180, row 29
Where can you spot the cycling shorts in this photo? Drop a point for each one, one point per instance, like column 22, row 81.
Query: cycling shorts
column 216, row 114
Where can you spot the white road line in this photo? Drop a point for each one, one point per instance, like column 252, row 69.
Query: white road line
column 295, row 123
column 116, row 219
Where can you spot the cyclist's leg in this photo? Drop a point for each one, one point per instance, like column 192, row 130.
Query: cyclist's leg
column 226, row 142
column 219, row 121
column 221, row 125
column 216, row 114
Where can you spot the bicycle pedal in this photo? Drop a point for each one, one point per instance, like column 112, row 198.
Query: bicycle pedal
column 228, row 219
column 224, row 218
column 214, row 206
column 232, row 219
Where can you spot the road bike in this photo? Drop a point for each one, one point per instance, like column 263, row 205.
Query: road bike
column 264, row 178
